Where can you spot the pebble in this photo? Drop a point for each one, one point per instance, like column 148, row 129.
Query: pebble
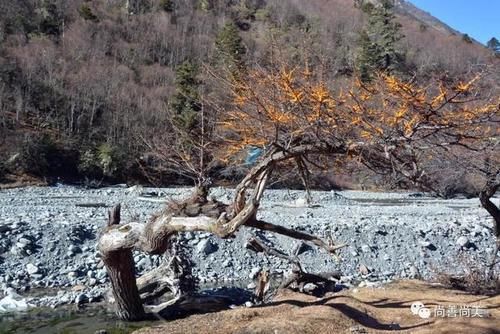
column 32, row 269
column 365, row 248
column 363, row 269
column 462, row 241
column 206, row 247
column 81, row 299
column 310, row 288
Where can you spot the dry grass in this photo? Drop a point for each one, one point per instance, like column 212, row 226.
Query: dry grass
column 479, row 279
column 367, row 310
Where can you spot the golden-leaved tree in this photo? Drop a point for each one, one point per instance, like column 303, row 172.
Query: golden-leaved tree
column 390, row 125
column 394, row 127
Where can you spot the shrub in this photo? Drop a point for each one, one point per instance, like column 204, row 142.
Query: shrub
column 476, row 278
column 41, row 156
column 86, row 13
column 466, row 38
column 36, row 155
column 101, row 161
column 167, row 5
column 205, row 5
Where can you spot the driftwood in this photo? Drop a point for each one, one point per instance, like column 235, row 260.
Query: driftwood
column 91, row 205
column 157, row 282
column 299, row 277
column 197, row 214
column 190, row 304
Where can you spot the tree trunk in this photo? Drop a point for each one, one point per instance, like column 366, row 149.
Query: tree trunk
column 121, row 271
column 493, row 211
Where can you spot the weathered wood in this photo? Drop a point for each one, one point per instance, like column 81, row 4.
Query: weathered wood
column 191, row 304
column 278, row 155
column 298, row 278
column 157, row 282
column 196, row 214
column 263, row 284
column 114, row 215
column 121, row 272
column 485, row 198
column 301, row 278
column 265, row 226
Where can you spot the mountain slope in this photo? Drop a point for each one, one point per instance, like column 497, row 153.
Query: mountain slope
column 91, row 76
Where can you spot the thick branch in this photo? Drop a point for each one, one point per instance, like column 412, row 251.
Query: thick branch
column 153, row 237
column 485, row 198
column 262, row 225
column 278, row 156
column 259, row 247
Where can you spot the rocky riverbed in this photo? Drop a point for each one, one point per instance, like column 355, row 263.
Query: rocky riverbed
column 48, row 238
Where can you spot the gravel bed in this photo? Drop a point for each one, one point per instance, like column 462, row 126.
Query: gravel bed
column 48, row 238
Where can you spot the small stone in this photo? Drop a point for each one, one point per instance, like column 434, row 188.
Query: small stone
column 24, row 241
column 143, row 263
column 206, row 247
column 414, row 273
column 248, row 304
column 81, row 299
column 72, row 275
column 32, row 269
column 365, row 248
column 20, row 245
column 427, row 244
column 78, row 287
column 74, row 249
column 462, row 241
column 363, row 269
column 301, row 202
column 101, row 273
column 310, row 288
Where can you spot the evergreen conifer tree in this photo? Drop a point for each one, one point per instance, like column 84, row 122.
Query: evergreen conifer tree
column 379, row 47
column 230, row 49
column 494, row 45
column 186, row 101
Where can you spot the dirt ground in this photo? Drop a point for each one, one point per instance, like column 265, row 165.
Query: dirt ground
column 355, row 311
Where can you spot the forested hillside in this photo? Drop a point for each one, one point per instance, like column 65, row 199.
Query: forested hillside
column 129, row 90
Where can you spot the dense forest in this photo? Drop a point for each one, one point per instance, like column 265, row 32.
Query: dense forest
column 131, row 91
